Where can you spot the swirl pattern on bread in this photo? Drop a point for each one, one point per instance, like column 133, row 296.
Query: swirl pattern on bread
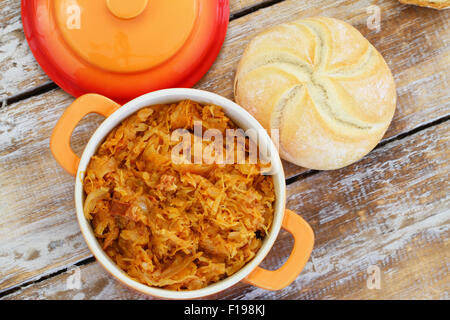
column 322, row 85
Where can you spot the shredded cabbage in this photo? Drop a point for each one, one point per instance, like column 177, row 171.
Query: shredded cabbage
column 175, row 226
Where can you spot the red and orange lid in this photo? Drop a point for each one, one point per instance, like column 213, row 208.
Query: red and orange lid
column 124, row 48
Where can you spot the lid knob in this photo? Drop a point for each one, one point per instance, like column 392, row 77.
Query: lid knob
column 126, row 9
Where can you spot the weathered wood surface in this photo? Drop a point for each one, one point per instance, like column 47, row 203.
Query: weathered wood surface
column 390, row 211
column 19, row 71
column 38, row 231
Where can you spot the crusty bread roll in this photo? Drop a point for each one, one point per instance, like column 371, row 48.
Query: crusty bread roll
column 436, row 4
column 326, row 89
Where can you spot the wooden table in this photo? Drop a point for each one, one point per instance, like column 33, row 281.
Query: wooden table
column 389, row 213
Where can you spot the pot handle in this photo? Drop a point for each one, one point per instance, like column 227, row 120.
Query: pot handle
column 303, row 244
column 60, row 139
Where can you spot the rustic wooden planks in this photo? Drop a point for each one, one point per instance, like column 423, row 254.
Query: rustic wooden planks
column 37, row 228
column 37, row 200
column 18, row 69
column 391, row 211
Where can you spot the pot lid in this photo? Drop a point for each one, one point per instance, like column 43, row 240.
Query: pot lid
column 124, row 48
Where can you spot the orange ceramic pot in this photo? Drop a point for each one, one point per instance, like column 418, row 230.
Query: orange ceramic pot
column 251, row 273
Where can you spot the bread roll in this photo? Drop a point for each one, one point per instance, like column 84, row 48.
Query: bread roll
column 436, row 4
column 325, row 88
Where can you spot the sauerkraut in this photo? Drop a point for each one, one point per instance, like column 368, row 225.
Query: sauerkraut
column 178, row 226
